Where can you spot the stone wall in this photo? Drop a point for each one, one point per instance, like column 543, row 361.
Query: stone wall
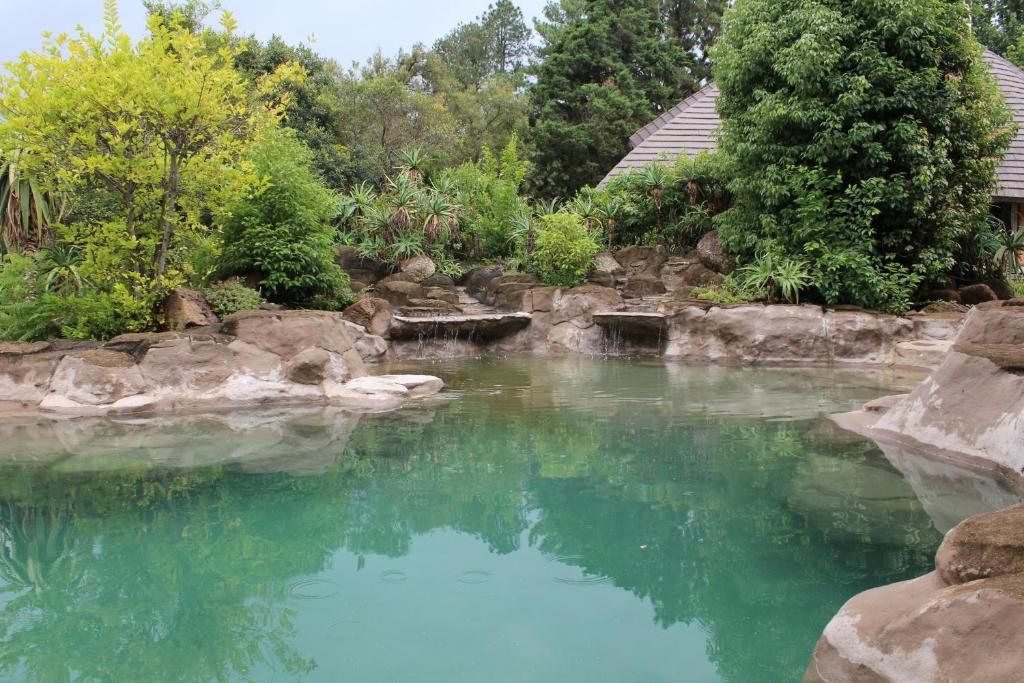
column 253, row 358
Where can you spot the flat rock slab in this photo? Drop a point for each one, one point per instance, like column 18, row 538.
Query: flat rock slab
column 633, row 322
column 481, row 326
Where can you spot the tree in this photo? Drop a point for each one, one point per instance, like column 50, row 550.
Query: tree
column 998, row 24
column 606, row 68
column 862, row 138
column 509, row 35
column 161, row 125
column 281, row 232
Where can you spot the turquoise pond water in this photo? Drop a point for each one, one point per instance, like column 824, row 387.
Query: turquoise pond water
column 559, row 520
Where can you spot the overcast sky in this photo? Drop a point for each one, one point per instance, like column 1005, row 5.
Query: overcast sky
column 346, row 30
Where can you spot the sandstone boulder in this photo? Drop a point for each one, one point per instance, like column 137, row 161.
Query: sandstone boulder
column 309, row 366
column 948, row 294
column 26, row 370
column 606, row 263
column 699, row 275
column 439, row 280
column 96, row 378
column 713, row 256
column 1001, row 288
column 578, row 305
column 640, row 260
column 431, row 306
column 983, row 547
column 441, row 294
column 418, row 267
column 972, row 295
column 358, row 267
column 186, row 364
column 638, row 286
column 286, row 333
column 398, row 293
column 187, row 308
column 372, row 313
column 478, row 278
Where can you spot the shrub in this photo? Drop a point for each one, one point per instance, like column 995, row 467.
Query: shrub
column 101, row 315
column 729, row 292
column 231, row 296
column 861, row 137
column 565, row 250
column 778, row 278
column 281, row 232
column 23, row 317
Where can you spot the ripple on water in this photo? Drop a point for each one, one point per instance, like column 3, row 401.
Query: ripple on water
column 313, row 589
column 393, row 576
column 475, row 576
column 584, row 581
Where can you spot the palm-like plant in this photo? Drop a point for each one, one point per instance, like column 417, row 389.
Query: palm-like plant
column 547, row 207
column 26, row 209
column 407, row 245
column 655, row 178
column 59, row 269
column 440, row 217
column 776, row 277
column 404, row 200
column 414, row 163
column 1011, row 247
column 376, row 228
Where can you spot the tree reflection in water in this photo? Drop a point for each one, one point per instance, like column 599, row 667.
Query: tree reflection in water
column 177, row 547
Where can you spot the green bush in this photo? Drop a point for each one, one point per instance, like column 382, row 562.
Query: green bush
column 565, row 250
column 777, row 278
column 861, row 137
column 101, row 315
column 23, row 316
column 282, row 231
column 231, row 296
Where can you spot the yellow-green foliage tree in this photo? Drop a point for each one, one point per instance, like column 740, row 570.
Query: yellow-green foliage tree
column 162, row 126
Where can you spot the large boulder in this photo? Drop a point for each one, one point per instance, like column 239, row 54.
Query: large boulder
column 26, row 370
column 418, row 267
column 638, row 286
column 187, row 364
column 578, row 305
column 699, row 275
column 358, row 267
column 640, row 260
column 398, row 293
column 372, row 313
column 713, row 256
column 286, row 333
column 438, row 280
column 97, row 377
column 983, row 547
column 502, row 290
column 478, row 279
column 1001, row 288
column 186, row 308
column 972, row 295
column 962, row 622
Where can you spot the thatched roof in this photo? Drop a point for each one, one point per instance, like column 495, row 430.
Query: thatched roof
column 689, row 128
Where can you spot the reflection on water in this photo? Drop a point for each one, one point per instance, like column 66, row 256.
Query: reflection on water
column 571, row 520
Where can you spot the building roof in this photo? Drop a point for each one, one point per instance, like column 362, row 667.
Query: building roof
column 690, row 127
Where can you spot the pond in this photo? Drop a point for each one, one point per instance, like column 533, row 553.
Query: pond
column 545, row 520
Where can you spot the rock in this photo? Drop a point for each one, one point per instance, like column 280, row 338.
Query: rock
column 973, row 403
column 478, row 278
column 948, row 294
column 441, row 294
column 26, row 370
column 372, row 313
column 186, row 364
column 983, row 547
column 921, row 353
column 601, row 278
column 95, row 378
column 286, row 333
column 923, row 631
column 431, row 306
column 713, row 256
column 398, row 293
column 371, row 348
column 417, row 385
column 398, row 277
column 377, row 385
column 699, row 275
column 1015, row 302
column 578, row 305
column 606, row 263
column 972, row 295
column 639, row 286
column 1001, row 288
column 358, row 267
column 945, row 307
column 638, row 260
column 357, row 286
column 419, row 267
column 439, row 280
column 309, row 366
column 484, row 327
column 187, row 308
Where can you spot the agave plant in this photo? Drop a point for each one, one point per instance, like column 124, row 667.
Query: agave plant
column 440, row 217
column 26, row 209
column 414, row 163
column 59, row 269
column 355, row 202
column 407, row 245
column 655, row 178
column 776, row 277
column 445, row 185
column 404, row 200
column 1011, row 248
column 547, row 207
column 376, row 226
column 523, row 233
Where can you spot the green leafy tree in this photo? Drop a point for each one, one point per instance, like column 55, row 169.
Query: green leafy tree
column 565, row 250
column 281, row 234
column 862, row 137
column 998, row 24
column 605, row 69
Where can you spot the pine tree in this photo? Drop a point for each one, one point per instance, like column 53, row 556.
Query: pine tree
column 607, row 67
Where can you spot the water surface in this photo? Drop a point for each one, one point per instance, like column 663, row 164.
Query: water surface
column 546, row 520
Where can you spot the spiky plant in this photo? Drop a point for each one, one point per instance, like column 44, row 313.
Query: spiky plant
column 1011, row 248
column 440, row 217
column 404, row 200
column 59, row 268
column 414, row 163
column 27, row 208
column 655, row 177
column 547, row 207
column 375, row 224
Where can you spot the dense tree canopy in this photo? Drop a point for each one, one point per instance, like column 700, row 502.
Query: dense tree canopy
column 606, row 68
column 863, row 138
column 998, row 24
